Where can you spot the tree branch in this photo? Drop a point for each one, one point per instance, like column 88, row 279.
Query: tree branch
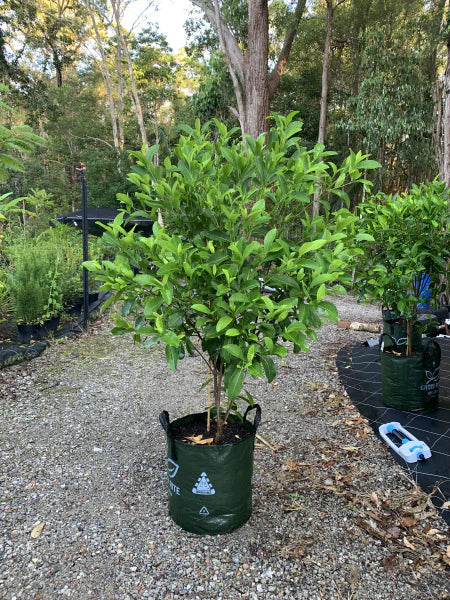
column 228, row 42
column 278, row 70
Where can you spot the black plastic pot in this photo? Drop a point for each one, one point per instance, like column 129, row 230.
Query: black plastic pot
column 410, row 383
column 28, row 332
column 210, row 488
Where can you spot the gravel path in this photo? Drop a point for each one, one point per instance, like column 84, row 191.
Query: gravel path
column 83, row 485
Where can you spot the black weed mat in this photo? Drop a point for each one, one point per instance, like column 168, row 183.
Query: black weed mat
column 21, row 350
column 360, row 372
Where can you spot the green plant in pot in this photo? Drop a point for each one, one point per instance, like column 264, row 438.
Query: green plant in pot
column 34, row 284
column 404, row 238
column 219, row 281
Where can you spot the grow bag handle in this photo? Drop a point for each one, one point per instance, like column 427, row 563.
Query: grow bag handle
column 426, row 352
column 257, row 419
column 381, row 341
column 165, row 422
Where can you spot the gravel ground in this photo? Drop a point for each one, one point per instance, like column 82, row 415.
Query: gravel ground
column 83, row 498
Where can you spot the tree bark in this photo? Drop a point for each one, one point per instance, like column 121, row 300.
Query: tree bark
column 438, row 103
column 324, row 92
column 446, row 119
column 106, row 76
column 253, row 87
column 325, row 69
column 121, row 40
column 255, row 81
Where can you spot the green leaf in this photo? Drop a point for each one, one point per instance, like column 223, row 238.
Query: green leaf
column 172, row 355
column 152, row 305
column 223, row 322
column 170, row 338
column 269, row 367
column 330, row 310
column 232, row 332
column 269, row 238
column 368, row 164
column 310, row 246
column 201, row 308
column 269, row 343
column 321, row 292
column 234, row 350
column 364, row 237
column 255, row 369
column 235, row 383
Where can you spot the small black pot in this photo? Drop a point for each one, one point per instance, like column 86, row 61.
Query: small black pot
column 37, row 331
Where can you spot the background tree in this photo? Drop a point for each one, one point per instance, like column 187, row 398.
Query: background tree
column 247, row 59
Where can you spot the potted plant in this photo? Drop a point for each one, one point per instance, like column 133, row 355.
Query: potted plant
column 35, row 285
column 221, row 281
column 404, row 241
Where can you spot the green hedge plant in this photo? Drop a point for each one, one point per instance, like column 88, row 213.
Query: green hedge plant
column 220, row 279
column 34, row 283
column 403, row 237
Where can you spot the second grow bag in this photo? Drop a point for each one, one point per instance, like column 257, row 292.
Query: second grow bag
column 410, row 382
column 210, row 488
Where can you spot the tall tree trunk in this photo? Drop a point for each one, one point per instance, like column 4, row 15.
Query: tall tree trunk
column 124, row 48
column 325, row 70
column 120, row 88
column 438, row 104
column 324, row 93
column 253, row 87
column 256, row 82
column 106, row 77
column 446, row 119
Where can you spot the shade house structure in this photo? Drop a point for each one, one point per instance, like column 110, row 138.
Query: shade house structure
column 96, row 215
column 88, row 219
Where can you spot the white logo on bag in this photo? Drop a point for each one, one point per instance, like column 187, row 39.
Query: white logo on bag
column 172, row 468
column 203, row 486
column 432, row 380
column 203, row 511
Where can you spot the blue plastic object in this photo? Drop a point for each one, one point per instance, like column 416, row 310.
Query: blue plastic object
column 424, row 291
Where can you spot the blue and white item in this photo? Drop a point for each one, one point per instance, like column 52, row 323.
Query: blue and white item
column 410, row 449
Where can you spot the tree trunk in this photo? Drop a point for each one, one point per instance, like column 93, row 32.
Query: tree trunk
column 256, row 80
column 121, row 41
column 324, row 93
column 325, row 69
column 106, row 77
column 446, row 120
column 438, row 103
column 252, row 85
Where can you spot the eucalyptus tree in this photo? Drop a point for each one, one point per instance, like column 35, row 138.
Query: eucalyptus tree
column 247, row 58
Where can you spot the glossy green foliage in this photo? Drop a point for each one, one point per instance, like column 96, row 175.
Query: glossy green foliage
column 402, row 237
column 212, row 168
column 220, row 279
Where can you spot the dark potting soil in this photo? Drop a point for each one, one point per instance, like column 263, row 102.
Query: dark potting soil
column 232, row 432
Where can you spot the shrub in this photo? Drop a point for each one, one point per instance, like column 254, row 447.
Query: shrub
column 35, row 283
column 225, row 282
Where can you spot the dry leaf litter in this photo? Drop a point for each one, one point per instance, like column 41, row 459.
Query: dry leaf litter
column 83, row 498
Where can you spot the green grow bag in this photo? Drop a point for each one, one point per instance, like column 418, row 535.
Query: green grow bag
column 410, row 382
column 395, row 326
column 210, row 489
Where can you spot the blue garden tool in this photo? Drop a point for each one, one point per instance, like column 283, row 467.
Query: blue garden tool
column 410, row 449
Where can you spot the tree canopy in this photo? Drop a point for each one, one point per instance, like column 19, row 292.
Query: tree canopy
column 94, row 89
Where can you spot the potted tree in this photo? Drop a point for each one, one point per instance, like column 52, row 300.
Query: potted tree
column 221, row 281
column 404, row 241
